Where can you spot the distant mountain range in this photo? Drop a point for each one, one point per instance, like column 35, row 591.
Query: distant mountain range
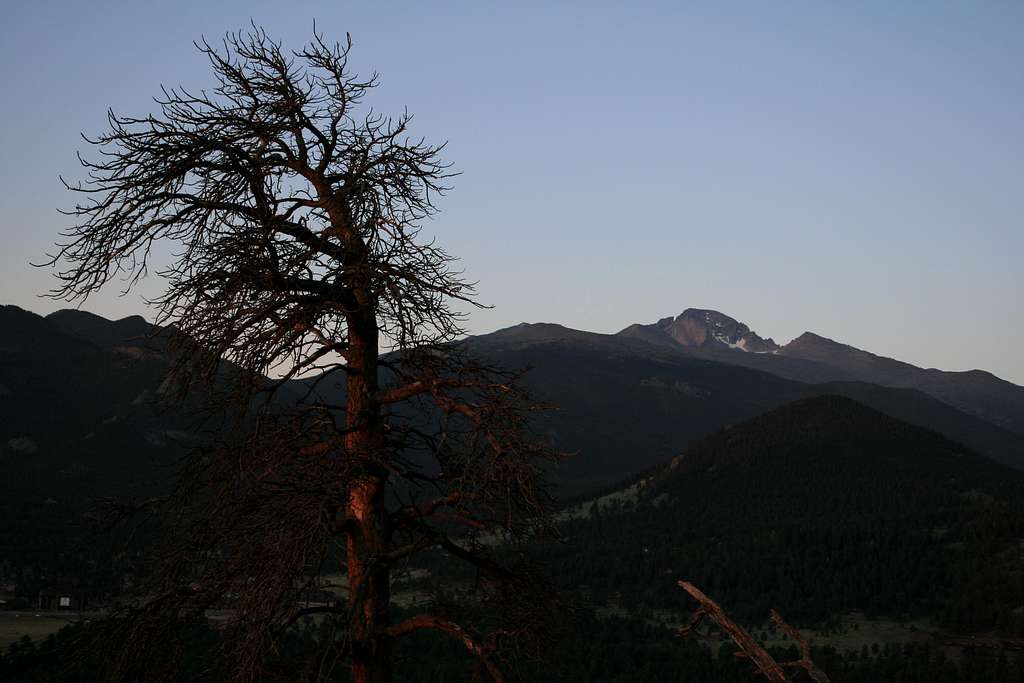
column 625, row 404
column 80, row 391
column 819, row 495
column 813, row 358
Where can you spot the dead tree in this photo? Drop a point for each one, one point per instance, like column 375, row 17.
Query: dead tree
column 295, row 226
column 764, row 663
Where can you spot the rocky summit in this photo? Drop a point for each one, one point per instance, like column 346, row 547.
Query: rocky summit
column 698, row 327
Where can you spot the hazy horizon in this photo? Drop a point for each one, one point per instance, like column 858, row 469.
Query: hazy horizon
column 851, row 171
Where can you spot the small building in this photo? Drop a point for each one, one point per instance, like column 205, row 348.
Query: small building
column 65, row 598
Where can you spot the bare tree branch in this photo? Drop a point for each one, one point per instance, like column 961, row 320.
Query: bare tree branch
column 749, row 648
column 430, row 621
column 805, row 661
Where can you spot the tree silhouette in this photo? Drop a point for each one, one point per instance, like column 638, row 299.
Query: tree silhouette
column 296, row 225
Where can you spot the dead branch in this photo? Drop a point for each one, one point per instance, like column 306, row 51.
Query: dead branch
column 805, row 661
column 764, row 663
column 430, row 621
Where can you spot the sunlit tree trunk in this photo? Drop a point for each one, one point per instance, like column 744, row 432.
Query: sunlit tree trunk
column 369, row 582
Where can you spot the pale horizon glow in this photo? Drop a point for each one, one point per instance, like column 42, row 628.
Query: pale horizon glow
column 854, row 171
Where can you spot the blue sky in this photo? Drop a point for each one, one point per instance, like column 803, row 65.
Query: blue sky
column 855, row 169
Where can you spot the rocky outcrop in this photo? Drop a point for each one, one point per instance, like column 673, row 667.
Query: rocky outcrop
column 698, row 327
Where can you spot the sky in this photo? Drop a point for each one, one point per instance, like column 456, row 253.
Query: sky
column 853, row 169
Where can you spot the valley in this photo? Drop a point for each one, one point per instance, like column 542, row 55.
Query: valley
column 872, row 516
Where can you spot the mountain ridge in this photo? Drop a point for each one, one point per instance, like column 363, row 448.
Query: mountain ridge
column 625, row 403
column 811, row 357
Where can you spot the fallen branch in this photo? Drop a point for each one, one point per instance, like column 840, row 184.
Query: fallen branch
column 749, row 648
column 804, row 662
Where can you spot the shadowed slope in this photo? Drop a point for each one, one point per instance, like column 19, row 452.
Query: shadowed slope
column 820, row 506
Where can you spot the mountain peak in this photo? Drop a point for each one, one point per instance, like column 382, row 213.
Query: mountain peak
column 811, row 337
column 703, row 327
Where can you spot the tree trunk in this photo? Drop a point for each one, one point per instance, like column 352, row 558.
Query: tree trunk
column 369, row 583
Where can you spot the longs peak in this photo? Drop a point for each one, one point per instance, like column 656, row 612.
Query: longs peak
column 699, row 327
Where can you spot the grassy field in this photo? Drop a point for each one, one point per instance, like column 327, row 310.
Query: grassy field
column 853, row 633
column 35, row 625
column 630, row 494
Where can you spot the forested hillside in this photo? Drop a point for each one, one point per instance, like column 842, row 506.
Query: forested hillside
column 896, row 550
column 820, row 507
